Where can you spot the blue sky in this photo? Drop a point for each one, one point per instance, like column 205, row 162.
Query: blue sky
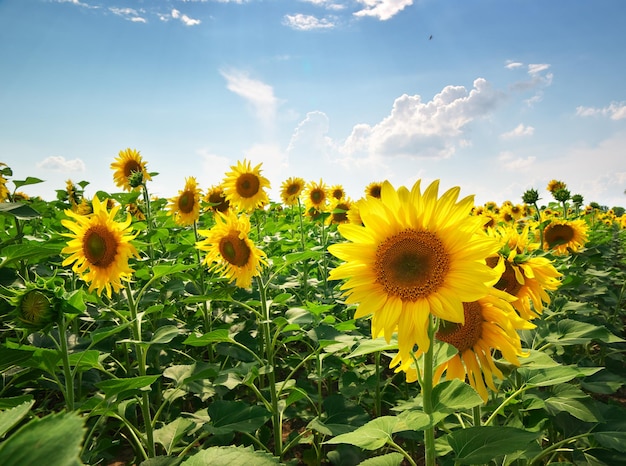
column 507, row 95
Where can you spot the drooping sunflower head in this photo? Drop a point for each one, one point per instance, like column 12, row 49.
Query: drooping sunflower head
column 230, row 251
column 216, row 199
column 416, row 254
column 99, row 247
column 244, row 187
column 36, row 308
column 185, row 207
column 291, row 189
column 130, row 170
column 316, row 196
column 373, row 189
column 565, row 236
column 490, row 325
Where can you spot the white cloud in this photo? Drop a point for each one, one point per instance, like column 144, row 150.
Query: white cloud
column 535, row 68
column 186, row 20
column 511, row 65
column 519, row 130
column 257, row 93
column 312, row 133
column 78, row 3
column 615, row 111
column 382, row 9
column 59, row 163
column 510, row 162
column 303, row 22
column 129, row 14
column 426, row 129
column 328, row 4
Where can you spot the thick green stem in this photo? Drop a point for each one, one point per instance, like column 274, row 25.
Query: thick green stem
column 427, row 389
column 476, row 415
column 540, row 227
column 67, row 370
column 377, row 394
column 141, row 363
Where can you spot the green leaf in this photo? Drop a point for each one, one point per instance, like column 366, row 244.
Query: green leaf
column 235, row 416
column 34, row 251
column 479, row 445
column 116, row 386
column 216, row 336
column 103, row 333
column 546, row 376
column 12, row 402
column 453, row 395
column 170, row 434
column 573, row 332
column 368, row 346
column 164, row 335
column 52, row 440
column 13, row 357
column 85, row 360
column 19, row 210
column 575, row 407
column 373, row 435
column 615, row 440
column 29, row 180
column 231, row 456
column 390, row 459
column 162, row 461
column 11, row 417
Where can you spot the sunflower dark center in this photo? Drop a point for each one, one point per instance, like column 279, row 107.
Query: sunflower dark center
column 558, row 234
column 337, row 194
column 463, row 336
column 221, row 204
column 293, row 189
column 99, row 246
column 186, row 202
column 508, row 281
column 317, row 196
column 411, row 264
column 130, row 167
column 248, row 185
column 341, row 213
column 375, row 191
column 234, row 250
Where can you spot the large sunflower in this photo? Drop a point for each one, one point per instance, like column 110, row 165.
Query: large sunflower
column 490, row 324
column 128, row 161
column 230, row 251
column 185, row 208
column 244, row 187
column 100, row 247
column 565, row 236
column 416, row 254
column 525, row 276
column 291, row 189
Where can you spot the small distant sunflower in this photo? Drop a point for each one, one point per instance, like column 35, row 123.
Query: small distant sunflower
column 217, row 199
column 555, row 185
column 100, row 247
column 229, row 250
column 416, row 254
column 83, row 207
column 565, row 236
column 525, row 276
column 244, row 187
column 373, row 189
column 490, row 325
column 4, row 191
column 316, row 196
column 339, row 211
column 185, row 208
column 337, row 193
column 291, row 189
column 129, row 161
column 136, row 211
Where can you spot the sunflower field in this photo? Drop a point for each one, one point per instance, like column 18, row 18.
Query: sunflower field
column 222, row 327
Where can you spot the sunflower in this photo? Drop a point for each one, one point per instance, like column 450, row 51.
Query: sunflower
column 555, row 185
column 373, row 189
column 354, row 216
column 230, row 251
column 316, row 196
column 291, row 189
column 217, row 199
column 4, row 191
column 525, row 276
column 415, row 255
column 564, row 236
column 490, row 324
column 100, row 247
column 339, row 211
column 337, row 193
column 129, row 161
column 185, row 208
column 244, row 187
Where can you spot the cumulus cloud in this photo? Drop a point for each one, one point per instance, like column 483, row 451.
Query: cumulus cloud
column 510, row 162
column 615, row 111
column 186, row 20
column 303, row 22
column 426, row 129
column 312, row 133
column 518, row 131
column 257, row 93
column 382, row 9
column 129, row 14
column 59, row 163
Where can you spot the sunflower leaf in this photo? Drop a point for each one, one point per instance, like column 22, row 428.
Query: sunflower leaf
column 479, row 445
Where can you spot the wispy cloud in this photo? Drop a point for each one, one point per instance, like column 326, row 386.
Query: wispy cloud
column 129, row 14
column 186, row 20
column 510, row 162
column 302, row 22
column 518, row 131
column 511, row 65
column 615, row 111
column 426, row 129
column 257, row 93
column 382, row 9
column 59, row 163
column 328, row 4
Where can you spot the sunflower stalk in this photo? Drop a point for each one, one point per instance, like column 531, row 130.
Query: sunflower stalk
column 427, row 392
column 67, row 370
